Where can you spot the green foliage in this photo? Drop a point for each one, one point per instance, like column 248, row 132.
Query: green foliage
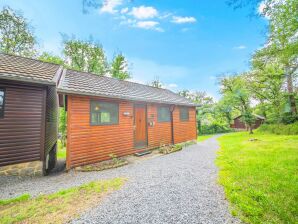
column 86, row 56
column 62, row 129
column 47, row 57
column 260, row 177
column 279, row 129
column 16, row 36
column 213, row 129
column 156, row 83
column 119, row 67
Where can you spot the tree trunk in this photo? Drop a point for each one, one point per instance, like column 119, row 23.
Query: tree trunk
column 291, row 95
column 250, row 129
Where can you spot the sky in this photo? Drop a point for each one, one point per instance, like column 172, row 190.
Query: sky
column 186, row 43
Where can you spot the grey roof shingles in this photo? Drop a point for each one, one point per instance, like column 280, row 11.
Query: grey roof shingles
column 81, row 83
column 28, row 70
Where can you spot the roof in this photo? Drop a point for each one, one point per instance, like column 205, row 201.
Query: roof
column 81, row 83
column 28, row 70
column 256, row 115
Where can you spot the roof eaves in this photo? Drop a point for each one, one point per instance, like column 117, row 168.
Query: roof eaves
column 14, row 77
column 64, row 91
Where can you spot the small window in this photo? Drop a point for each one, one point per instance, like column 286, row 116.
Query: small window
column 163, row 114
column 184, row 115
column 104, row 113
column 2, row 102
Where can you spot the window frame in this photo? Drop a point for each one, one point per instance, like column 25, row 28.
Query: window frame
column 158, row 118
column 3, row 106
column 180, row 114
column 106, row 123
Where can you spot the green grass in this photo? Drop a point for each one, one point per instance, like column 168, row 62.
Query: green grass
column 60, row 207
column 203, row 137
column 260, row 177
column 61, row 153
column 21, row 198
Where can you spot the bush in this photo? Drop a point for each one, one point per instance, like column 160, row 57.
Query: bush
column 279, row 129
column 214, row 129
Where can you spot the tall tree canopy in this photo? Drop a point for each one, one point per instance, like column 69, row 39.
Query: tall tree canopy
column 119, row 67
column 16, row 36
column 48, row 57
column 86, row 56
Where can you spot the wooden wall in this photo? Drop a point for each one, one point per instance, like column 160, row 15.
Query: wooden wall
column 88, row 144
column 160, row 133
column 184, row 130
column 22, row 128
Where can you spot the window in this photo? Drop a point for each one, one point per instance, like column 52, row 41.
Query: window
column 163, row 114
column 103, row 113
column 184, row 116
column 2, row 101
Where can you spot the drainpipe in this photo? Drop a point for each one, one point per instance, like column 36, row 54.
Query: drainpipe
column 172, row 108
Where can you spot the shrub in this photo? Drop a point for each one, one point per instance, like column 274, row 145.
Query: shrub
column 214, row 129
column 279, row 129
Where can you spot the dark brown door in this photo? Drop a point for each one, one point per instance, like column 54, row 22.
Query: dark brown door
column 140, row 126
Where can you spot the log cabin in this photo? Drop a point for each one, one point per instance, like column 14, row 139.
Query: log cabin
column 28, row 115
column 107, row 116
column 238, row 123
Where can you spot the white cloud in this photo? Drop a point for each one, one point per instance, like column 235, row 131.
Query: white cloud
column 181, row 20
column 144, row 12
column 124, row 10
column 109, row 6
column 148, row 25
column 240, row 47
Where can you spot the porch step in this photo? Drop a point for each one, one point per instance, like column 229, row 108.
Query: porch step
column 142, row 153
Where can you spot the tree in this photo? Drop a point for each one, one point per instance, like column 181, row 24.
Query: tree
column 119, row 67
column 47, row 57
column 156, row 83
column 16, row 36
column 234, row 89
column 86, row 56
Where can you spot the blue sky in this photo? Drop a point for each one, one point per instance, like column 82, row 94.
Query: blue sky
column 185, row 43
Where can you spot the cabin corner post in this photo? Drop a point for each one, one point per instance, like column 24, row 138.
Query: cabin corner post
column 68, row 131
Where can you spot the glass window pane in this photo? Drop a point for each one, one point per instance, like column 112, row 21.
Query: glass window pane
column 163, row 114
column 104, row 113
column 105, row 117
column 184, row 115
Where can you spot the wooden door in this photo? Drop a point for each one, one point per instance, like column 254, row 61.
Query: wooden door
column 140, row 126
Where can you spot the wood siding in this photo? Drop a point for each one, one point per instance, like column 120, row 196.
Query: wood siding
column 89, row 143
column 21, row 129
column 184, row 130
column 160, row 133
column 51, row 119
column 239, row 124
column 86, row 143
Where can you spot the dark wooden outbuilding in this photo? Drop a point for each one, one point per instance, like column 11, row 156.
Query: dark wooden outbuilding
column 240, row 125
column 28, row 114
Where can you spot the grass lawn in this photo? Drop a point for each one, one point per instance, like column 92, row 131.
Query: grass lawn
column 203, row 137
column 60, row 207
column 260, row 178
column 61, row 153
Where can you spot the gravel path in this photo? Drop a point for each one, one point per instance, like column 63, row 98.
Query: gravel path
column 176, row 188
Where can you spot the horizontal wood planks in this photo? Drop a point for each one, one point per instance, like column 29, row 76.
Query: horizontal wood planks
column 184, row 130
column 86, row 143
column 90, row 143
column 21, row 128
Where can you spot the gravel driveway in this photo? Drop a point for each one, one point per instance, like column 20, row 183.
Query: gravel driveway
column 176, row 188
